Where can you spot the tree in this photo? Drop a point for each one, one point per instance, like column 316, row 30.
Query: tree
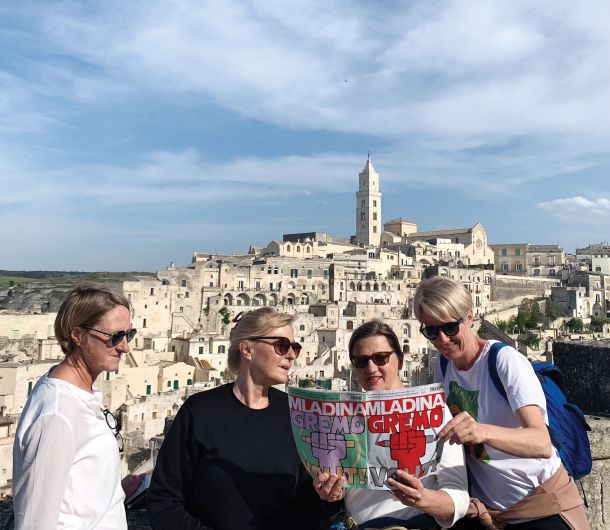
column 553, row 310
column 575, row 325
column 503, row 325
column 597, row 323
column 226, row 315
column 531, row 340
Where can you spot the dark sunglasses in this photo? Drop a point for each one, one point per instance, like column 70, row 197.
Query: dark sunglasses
column 380, row 358
column 281, row 345
column 450, row 329
column 114, row 338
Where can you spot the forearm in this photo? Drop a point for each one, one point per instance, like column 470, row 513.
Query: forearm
column 528, row 442
column 436, row 503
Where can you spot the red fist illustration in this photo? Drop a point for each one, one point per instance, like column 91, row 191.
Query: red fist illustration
column 407, row 448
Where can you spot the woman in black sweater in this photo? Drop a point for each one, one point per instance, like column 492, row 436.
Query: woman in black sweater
column 229, row 461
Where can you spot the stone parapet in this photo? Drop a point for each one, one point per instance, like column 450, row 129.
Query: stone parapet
column 597, row 485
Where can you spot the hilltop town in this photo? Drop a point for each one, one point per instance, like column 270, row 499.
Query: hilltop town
column 529, row 294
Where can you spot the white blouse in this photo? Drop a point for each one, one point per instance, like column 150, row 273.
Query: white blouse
column 66, row 469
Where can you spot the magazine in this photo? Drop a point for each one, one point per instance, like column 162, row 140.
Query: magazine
column 366, row 436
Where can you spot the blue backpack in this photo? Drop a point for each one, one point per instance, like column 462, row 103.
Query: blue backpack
column 567, row 425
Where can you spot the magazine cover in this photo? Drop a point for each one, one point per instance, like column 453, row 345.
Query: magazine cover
column 366, row 436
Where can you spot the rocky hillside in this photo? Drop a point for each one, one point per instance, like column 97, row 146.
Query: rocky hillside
column 33, row 292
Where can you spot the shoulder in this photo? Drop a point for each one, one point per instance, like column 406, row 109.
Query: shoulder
column 208, row 398
column 511, row 359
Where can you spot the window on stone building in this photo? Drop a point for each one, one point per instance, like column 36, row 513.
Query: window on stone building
column 551, row 272
column 29, row 388
column 362, row 204
column 200, row 350
column 362, row 216
column 374, row 216
column 504, row 267
column 374, row 229
column 152, row 291
column 309, row 273
column 374, row 203
column 275, row 270
column 517, row 252
column 181, row 309
column 504, row 252
column 536, row 272
column 294, row 273
column 518, row 267
column 183, row 283
column 186, row 295
column 321, row 373
column 143, row 322
column 148, row 389
column 221, row 348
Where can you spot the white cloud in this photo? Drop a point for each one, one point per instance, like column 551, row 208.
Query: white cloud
column 423, row 67
column 579, row 209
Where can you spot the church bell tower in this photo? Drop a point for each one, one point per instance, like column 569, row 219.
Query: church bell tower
column 368, row 207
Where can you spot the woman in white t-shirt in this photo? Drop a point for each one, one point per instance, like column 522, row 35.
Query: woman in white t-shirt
column 508, row 448
column 66, row 471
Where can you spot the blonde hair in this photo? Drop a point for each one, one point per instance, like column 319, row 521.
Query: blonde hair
column 442, row 298
column 85, row 305
column 252, row 324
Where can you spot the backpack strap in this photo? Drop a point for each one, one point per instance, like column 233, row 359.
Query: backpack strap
column 444, row 363
column 492, row 366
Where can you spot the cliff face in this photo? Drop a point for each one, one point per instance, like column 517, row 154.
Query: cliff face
column 46, row 294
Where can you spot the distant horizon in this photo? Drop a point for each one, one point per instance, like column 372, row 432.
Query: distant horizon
column 133, row 134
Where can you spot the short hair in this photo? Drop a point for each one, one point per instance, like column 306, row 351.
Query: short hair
column 442, row 298
column 250, row 324
column 374, row 328
column 85, row 305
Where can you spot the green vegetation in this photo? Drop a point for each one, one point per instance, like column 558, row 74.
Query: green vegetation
column 531, row 340
column 528, row 317
column 226, row 315
column 306, row 383
column 575, row 325
column 13, row 281
column 552, row 310
column 597, row 323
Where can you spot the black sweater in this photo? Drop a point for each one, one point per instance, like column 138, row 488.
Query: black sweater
column 225, row 466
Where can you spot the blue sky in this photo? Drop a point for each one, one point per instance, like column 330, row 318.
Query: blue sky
column 134, row 133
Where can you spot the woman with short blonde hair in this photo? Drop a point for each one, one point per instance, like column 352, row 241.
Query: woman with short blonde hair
column 516, row 474
column 229, row 459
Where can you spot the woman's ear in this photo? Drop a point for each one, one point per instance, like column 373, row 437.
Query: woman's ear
column 245, row 349
column 76, row 337
column 470, row 318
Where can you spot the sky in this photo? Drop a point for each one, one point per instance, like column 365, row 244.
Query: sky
column 135, row 133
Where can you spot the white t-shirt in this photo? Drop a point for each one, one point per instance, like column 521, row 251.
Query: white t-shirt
column 499, row 480
column 66, row 470
column 450, row 476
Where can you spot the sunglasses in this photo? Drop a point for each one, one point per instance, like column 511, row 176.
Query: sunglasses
column 450, row 329
column 281, row 345
column 115, row 338
column 112, row 422
column 380, row 358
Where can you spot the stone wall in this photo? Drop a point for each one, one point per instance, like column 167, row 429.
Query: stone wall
column 586, row 368
column 597, row 485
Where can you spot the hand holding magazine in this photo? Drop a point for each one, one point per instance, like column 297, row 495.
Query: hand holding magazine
column 366, row 436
